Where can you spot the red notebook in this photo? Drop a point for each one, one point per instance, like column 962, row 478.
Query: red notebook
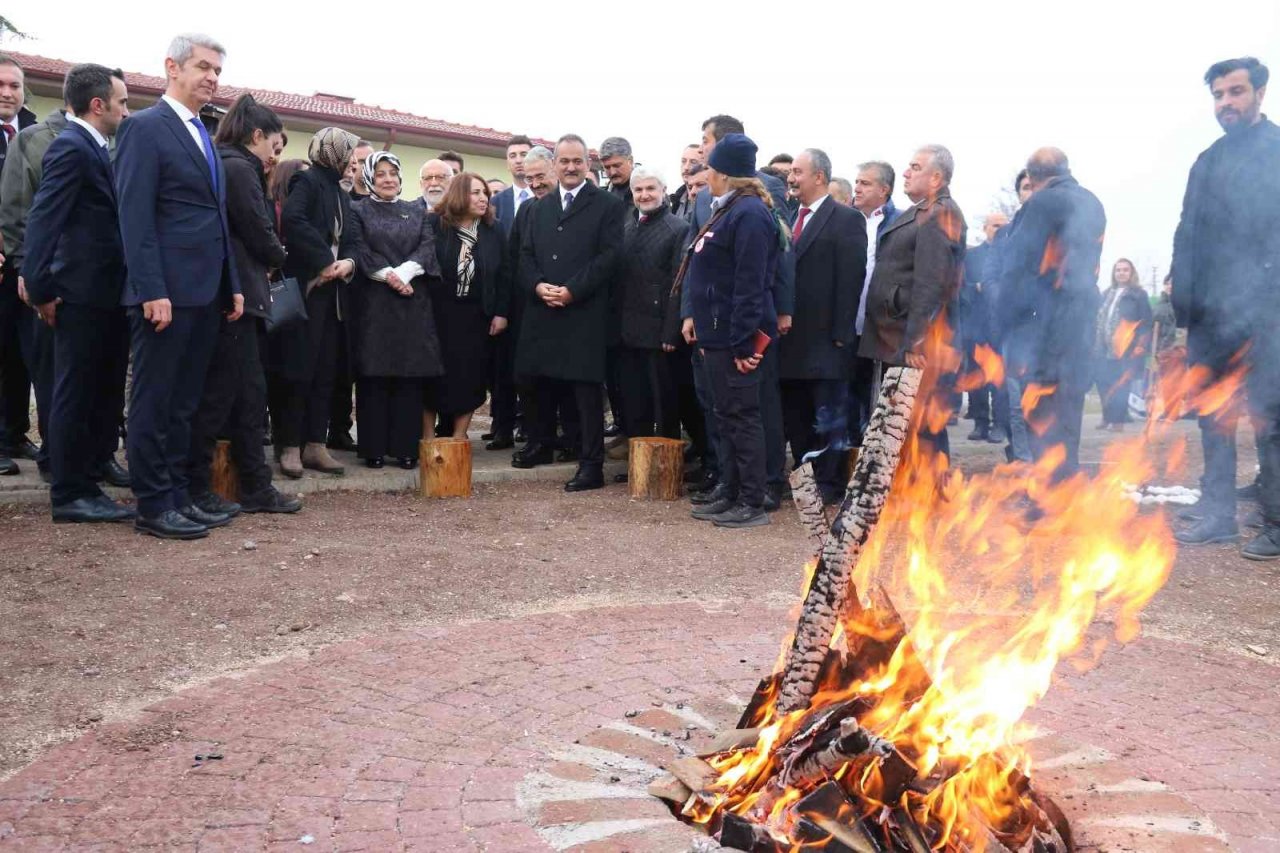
column 761, row 341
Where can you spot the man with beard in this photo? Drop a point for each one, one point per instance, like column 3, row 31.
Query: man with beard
column 618, row 162
column 433, row 178
column 681, row 199
column 1226, row 293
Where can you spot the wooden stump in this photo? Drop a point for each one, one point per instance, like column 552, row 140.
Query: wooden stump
column 656, row 468
column 225, row 477
column 444, row 466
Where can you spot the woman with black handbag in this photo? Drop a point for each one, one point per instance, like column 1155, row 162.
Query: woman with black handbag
column 234, row 401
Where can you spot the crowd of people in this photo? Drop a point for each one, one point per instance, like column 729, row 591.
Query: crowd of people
column 746, row 310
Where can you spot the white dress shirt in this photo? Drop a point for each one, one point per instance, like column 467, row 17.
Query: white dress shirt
column 873, row 232
column 93, row 131
column 186, row 115
column 516, row 201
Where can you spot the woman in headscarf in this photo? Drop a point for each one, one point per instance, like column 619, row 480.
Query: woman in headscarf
column 1121, row 342
column 313, row 221
column 471, row 303
column 396, row 348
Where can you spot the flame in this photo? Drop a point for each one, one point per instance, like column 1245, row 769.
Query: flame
column 998, row 597
column 1122, row 340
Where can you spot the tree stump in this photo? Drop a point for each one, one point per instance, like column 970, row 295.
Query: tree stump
column 225, row 480
column 444, row 466
column 656, row 468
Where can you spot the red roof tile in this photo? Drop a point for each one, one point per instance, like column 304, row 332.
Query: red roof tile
column 316, row 107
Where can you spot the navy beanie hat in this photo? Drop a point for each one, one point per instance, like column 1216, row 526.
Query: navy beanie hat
column 734, row 156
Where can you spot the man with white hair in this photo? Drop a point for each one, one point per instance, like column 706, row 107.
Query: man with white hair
column 173, row 223
column 434, row 178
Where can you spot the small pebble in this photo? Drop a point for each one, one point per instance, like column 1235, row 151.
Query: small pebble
column 91, row 671
column 221, row 626
column 1260, row 651
column 631, row 714
column 249, row 545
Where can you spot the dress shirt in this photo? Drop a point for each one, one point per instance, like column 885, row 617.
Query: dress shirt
column 93, row 131
column 873, row 232
column 720, row 201
column 576, row 191
column 813, row 208
column 186, row 115
column 516, row 201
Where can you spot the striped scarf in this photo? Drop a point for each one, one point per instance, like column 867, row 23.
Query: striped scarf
column 466, row 259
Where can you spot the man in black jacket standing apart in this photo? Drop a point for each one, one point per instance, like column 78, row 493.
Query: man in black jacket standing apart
column 567, row 257
column 816, row 356
column 73, row 229
column 1226, row 293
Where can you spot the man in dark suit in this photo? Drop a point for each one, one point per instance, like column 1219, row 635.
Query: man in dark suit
column 567, row 259
column 919, row 264
column 1050, row 288
column 17, row 324
column 815, row 357
column 74, row 275
column 173, row 220
column 503, row 405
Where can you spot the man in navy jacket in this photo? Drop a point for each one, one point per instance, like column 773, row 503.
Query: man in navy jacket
column 173, row 220
column 74, row 272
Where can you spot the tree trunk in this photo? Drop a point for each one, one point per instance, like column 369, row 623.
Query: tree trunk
column 863, row 502
column 656, row 468
column 444, row 467
column 225, row 481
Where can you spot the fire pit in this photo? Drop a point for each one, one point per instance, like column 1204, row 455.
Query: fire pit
column 874, row 735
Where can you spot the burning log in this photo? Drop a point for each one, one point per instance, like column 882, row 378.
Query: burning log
column 825, row 602
column 852, row 742
column 829, row 821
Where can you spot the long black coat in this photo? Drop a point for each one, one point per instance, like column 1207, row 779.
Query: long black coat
column 255, row 248
column 1226, row 251
column 831, row 270
column 394, row 335
column 651, row 255
column 493, row 275
column 577, row 249
column 919, row 264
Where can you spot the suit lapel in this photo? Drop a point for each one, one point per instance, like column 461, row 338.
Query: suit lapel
column 100, row 155
column 813, row 226
column 179, row 129
column 908, row 215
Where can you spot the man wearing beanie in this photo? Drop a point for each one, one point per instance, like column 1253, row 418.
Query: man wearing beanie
column 729, row 275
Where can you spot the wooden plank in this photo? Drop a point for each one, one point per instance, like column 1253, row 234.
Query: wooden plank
column 731, row 740
column 669, row 788
column 695, row 773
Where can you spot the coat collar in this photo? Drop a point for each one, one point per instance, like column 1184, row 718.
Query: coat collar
column 814, row 225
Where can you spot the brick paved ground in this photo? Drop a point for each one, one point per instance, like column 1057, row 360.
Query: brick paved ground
column 515, row 736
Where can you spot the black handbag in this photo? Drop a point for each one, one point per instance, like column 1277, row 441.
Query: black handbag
column 287, row 304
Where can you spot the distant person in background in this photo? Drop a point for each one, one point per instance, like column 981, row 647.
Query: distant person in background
column 314, row 217
column 504, row 404
column 278, row 185
column 496, row 186
column 354, row 178
column 1015, row 334
column 1121, row 343
column 680, row 199
column 988, row 405
column 433, row 179
column 841, row 191
column 618, row 162
column 1164, row 319
column 454, row 159
column 397, row 345
column 471, row 301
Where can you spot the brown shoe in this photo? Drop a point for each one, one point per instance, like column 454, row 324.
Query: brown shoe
column 316, row 457
column 291, row 462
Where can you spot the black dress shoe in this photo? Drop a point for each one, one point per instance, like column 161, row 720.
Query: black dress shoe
column 978, row 434
column 374, row 462
column 22, row 450
column 269, row 500
column 121, row 512
column 520, row 437
column 114, row 474
column 209, row 520
column 588, row 477
column 568, row 454
column 85, row 511
column 408, row 463
column 1209, row 530
column 501, row 441
column 8, row 468
column 216, row 505
column 170, row 525
column 340, row 441
column 1265, row 546
column 532, row 454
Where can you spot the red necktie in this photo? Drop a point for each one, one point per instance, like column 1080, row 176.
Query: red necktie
column 644, row 217
column 9, row 132
column 804, row 212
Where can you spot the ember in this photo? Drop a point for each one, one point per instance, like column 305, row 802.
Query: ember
column 873, row 735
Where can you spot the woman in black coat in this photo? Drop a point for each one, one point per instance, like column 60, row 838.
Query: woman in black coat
column 313, row 220
column 234, row 401
column 471, row 301
column 394, row 335
column 1121, row 341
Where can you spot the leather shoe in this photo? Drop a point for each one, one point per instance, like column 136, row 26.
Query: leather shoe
column 568, row 454
column 501, row 441
column 340, row 441
column 1265, row 546
column 22, row 450
column 207, row 520
column 115, row 474
column 374, row 462
column 408, row 463
column 270, row 500
column 1209, row 530
column 706, row 512
column 588, row 477
column 85, row 511
column 8, row 468
column 215, row 505
column 170, row 525
column 119, row 510
column 531, row 455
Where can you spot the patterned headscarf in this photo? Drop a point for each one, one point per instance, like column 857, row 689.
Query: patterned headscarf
column 331, row 148
column 371, row 166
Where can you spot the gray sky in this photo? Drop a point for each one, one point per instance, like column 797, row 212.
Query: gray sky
column 1117, row 85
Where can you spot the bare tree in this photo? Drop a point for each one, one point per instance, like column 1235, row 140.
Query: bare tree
column 8, row 29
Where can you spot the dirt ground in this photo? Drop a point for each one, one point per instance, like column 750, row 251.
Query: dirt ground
column 97, row 622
